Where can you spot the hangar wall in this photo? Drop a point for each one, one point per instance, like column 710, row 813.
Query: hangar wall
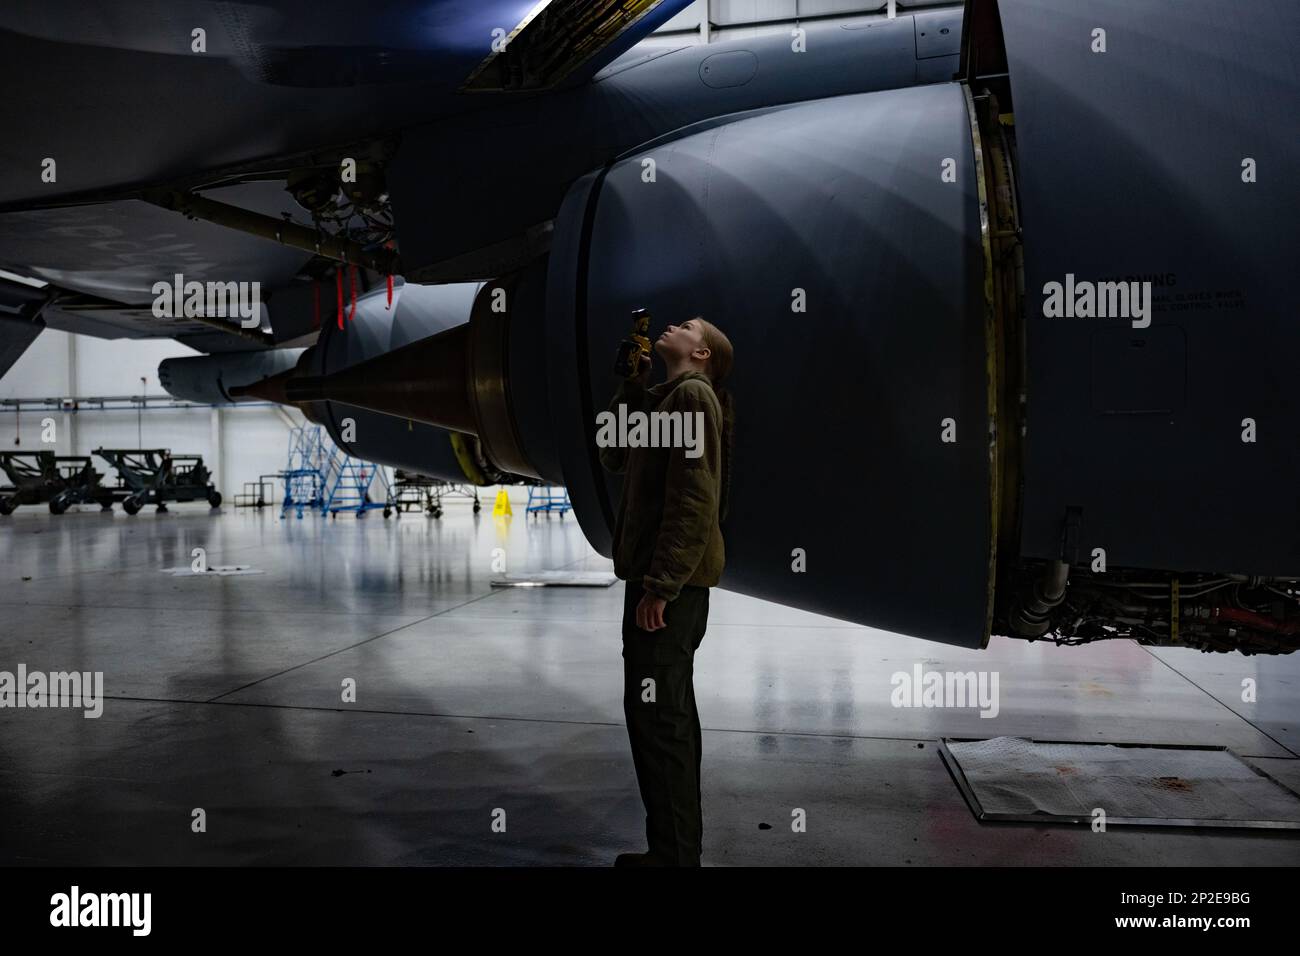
column 253, row 440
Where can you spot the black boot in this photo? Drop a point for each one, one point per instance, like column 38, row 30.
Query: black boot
column 641, row 859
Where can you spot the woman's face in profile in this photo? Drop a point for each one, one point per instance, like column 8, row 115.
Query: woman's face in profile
column 680, row 341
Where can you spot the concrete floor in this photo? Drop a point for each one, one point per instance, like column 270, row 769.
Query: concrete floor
column 224, row 694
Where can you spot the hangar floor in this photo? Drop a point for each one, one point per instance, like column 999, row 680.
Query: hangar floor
column 224, row 693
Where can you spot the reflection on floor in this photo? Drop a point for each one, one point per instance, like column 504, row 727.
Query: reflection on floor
column 225, row 694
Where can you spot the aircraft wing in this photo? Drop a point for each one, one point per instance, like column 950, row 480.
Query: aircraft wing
column 226, row 98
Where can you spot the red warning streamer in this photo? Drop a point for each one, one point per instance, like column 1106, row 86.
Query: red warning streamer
column 338, row 289
column 352, row 278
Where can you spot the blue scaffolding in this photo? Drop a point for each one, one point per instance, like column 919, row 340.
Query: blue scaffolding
column 304, row 477
column 351, row 485
column 548, row 499
column 321, row 477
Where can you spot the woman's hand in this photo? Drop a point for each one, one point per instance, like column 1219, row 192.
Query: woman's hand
column 650, row 612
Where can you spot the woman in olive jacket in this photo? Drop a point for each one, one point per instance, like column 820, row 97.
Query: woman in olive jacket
column 668, row 547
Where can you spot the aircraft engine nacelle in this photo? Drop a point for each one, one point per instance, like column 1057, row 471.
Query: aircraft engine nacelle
column 207, row 379
column 828, row 244
column 374, row 329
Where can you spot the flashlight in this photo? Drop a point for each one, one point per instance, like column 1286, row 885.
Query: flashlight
column 630, row 350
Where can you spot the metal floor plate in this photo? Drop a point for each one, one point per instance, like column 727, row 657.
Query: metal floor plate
column 1020, row 779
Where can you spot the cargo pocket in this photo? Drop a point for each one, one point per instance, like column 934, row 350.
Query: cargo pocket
column 669, row 648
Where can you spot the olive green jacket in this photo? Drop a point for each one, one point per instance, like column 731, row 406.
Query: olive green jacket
column 667, row 529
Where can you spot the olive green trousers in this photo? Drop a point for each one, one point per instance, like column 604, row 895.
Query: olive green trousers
column 663, row 724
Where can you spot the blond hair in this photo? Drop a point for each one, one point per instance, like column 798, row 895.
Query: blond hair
column 721, row 358
column 721, row 355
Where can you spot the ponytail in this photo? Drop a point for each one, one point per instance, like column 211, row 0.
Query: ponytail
column 721, row 357
column 728, row 433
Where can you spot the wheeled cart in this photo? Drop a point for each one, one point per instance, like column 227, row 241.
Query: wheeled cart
column 412, row 491
column 58, row 480
column 156, row 476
